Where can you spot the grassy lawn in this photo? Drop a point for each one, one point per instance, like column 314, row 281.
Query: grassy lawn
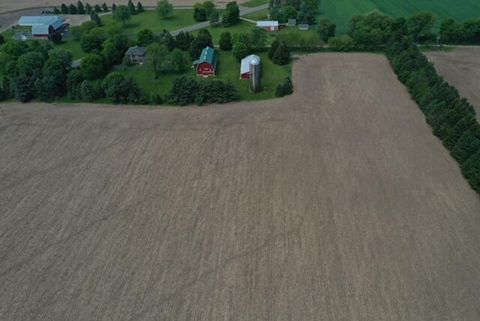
column 146, row 20
column 260, row 15
column 341, row 11
column 254, row 3
column 228, row 69
column 242, row 26
column 151, row 20
column 72, row 46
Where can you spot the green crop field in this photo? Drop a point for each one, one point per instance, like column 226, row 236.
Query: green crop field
column 341, row 11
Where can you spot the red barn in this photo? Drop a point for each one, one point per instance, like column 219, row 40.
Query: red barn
column 206, row 65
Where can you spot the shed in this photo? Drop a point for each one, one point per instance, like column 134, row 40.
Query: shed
column 43, row 26
column 137, row 54
column 246, row 66
column 206, row 64
column 292, row 22
column 269, row 25
column 304, row 27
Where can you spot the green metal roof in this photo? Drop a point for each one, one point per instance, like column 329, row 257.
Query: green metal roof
column 208, row 55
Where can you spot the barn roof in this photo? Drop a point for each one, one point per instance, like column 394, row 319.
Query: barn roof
column 245, row 65
column 267, row 23
column 40, row 24
column 208, row 55
column 136, row 51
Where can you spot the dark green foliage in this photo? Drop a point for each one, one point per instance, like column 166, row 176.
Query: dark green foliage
column 80, row 7
column 92, row 67
column 64, row 8
column 56, row 11
column 179, row 60
column 2, row 40
column 225, row 41
column 114, row 7
column 419, row 27
column 273, row 48
column 140, row 8
column 96, row 18
column 88, row 8
column 121, row 90
column 93, row 40
column 231, row 15
column 104, row 7
column 156, row 99
column 451, row 117
column 215, row 17
column 307, row 14
column 131, row 8
column 74, row 80
column 258, row 38
column 183, row 40
column 285, row 88
column 281, row 55
column 145, row 37
column 326, row 29
column 342, row 43
column 372, row 31
column 199, row 13
column 203, row 39
column 28, row 70
column 165, row 38
column 114, row 49
column 283, row 13
column 121, row 14
column 97, row 8
column 187, row 91
column 52, row 83
column 164, row 8
column 240, row 51
column 452, row 32
column 72, row 9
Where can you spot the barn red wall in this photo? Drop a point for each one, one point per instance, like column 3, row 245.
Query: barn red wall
column 205, row 69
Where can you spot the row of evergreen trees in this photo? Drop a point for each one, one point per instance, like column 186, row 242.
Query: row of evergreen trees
column 451, row 117
column 80, row 8
column 186, row 91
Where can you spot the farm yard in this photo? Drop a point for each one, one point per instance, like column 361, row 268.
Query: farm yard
column 341, row 11
column 335, row 203
column 461, row 68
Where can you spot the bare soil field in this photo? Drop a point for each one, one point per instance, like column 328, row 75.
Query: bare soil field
column 8, row 5
column 336, row 203
column 461, row 68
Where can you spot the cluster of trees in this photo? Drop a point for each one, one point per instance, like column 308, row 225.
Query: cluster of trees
column 80, row 8
column 35, row 70
column 279, row 53
column 245, row 43
column 451, row 117
column 285, row 88
column 164, row 9
column 452, row 32
column 374, row 31
column 203, row 11
column 231, row 16
column 305, row 11
column 187, row 91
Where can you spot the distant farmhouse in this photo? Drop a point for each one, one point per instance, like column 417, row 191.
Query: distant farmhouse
column 206, row 64
column 137, row 55
column 44, row 27
column 268, row 25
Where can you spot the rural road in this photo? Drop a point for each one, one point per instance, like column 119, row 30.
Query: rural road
column 10, row 18
column 336, row 203
column 243, row 11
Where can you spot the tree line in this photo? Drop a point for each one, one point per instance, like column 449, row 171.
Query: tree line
column 451, row 117
column 80, row 8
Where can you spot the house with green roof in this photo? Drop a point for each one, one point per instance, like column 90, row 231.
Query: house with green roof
column 206, row 64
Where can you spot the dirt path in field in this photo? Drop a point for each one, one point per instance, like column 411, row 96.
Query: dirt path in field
column 461, row 68
column 336, row 203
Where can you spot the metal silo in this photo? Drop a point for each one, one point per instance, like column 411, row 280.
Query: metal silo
column 255, row 73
